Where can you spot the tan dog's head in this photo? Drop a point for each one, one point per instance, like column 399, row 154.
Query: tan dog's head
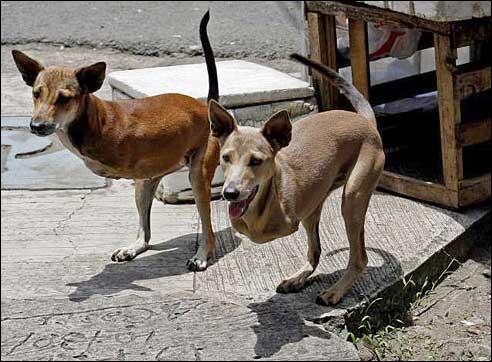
column 57, row 92
column 247, row 155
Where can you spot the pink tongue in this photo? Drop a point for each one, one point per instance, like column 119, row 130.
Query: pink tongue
column 236, row 209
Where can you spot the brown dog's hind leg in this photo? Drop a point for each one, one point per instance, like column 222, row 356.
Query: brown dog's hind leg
column 361, row 183
column 296, row 282
column 144, row 195
column 202, row 169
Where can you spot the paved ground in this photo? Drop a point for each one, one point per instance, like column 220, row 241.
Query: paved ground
column 63, row 298
column 237, row 28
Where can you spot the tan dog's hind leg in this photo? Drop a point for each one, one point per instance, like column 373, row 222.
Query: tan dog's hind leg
column 296, row 282
column 144, row 195
column 357, row 192
column 202, row 169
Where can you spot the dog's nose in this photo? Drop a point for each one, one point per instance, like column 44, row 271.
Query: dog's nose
column 231, row 193
column 40, row 127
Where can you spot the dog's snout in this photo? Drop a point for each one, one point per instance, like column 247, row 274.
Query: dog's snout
column 231, row 193
column 41, row 128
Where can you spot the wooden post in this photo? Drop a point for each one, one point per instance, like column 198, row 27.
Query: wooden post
column 449, row 111
column 359, row 56
column 323, row 48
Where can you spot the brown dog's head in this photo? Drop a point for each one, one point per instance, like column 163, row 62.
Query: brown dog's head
column 247, row 155
column 57, row 92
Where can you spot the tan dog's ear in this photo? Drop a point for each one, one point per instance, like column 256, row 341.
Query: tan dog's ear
column 28, row 67
column 278, row 130
column 91, row 78
column 221, row 122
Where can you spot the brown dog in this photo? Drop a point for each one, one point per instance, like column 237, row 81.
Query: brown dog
column 141, row 139
column 274, row 183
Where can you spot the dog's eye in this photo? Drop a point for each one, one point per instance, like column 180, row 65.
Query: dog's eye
column 62, row 99
column 36, row 94
column 255, row 161
column 226, row 158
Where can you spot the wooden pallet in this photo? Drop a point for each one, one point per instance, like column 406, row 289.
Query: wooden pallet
column 452, row 82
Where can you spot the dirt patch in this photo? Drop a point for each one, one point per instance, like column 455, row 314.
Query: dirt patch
column 451, row 322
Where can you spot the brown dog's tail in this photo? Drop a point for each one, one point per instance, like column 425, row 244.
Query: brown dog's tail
column 358, row 101
column 213, row 83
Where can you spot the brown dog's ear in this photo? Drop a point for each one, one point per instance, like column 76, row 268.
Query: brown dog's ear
column 28, row 67
column 278, row 130
column 91, row 78
column 221, row 122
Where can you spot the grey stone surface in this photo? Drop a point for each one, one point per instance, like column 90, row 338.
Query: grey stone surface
column 240, row 83
column 59, row 287
column 39, row 163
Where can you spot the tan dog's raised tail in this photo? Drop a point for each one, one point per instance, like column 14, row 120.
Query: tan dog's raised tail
column 141, row 139
column 280, row 176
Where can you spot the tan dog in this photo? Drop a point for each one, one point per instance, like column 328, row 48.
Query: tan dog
column 140, row 139
column 273, row 183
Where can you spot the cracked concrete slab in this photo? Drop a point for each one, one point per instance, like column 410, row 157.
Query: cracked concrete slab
column 183, row 326
column 40, row 163
column 56, row 248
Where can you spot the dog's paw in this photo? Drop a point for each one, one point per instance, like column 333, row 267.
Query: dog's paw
column 196, row 264
column 292, row 285
column 329, row 297
column 123, row 254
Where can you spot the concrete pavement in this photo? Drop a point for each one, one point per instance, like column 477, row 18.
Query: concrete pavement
column 63, row 298
column 238, row 29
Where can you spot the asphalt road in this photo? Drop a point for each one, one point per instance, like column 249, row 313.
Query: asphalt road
column 236, row 28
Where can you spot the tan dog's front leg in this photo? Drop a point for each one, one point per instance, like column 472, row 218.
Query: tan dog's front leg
column 202, row 169
column 144, row 195
column 296, row 282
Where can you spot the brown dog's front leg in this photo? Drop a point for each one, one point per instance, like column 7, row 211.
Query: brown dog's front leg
column 202, row 169
column 144, row 195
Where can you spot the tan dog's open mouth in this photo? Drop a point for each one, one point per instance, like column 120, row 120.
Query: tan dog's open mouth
column 238, row 208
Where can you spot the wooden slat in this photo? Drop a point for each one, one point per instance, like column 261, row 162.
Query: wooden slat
column 468, row 82
column 472, row 182
column 449, row 111
column 313, row 35
column 474, row 190
column 323, row 48
column 360, row 11
column 474, row 132
column 359, row 56
column 330, row 59
column 419, row 189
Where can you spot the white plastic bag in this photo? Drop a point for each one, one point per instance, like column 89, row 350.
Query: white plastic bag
column 385, row 40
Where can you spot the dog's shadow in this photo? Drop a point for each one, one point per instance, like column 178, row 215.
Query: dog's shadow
column 281, row 318
column 170, row 261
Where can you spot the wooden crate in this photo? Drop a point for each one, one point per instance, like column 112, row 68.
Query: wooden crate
column 457, row 135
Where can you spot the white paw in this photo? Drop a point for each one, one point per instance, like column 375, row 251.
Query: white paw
column 196, row 264
column 128, row 253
